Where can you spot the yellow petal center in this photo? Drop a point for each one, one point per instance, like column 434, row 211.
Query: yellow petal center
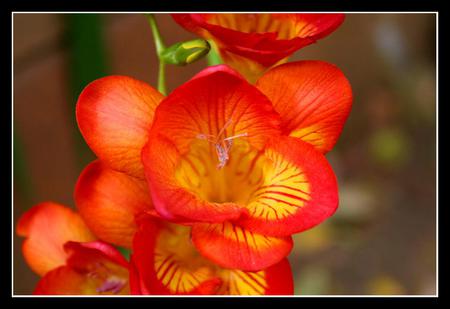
column 200, row 172
column 264, row 182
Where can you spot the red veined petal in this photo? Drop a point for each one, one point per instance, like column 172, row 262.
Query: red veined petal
column 114, row 115
column 231, row 246
column 298, row 192
column 174, row 251
column 216, row 99
column 180, row 152
column 47, row 227
column 275, row 280
column 313, row 99
column 168, row 263
column 109, row 200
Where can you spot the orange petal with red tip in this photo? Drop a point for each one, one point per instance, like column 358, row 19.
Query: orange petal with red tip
column 47, row 227
column 93, row 268
column 275, row 280
column 167, row 262
column 299, row 190
column 109, row 200
column 231, row 246
column 181, row 151
column 313, row 98
column 114, row 115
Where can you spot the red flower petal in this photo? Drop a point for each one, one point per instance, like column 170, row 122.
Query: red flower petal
column 65, row 281
column 231, row 246
column 263, row 39
column 179, row 153
column 103, row 266
column 167, row 263
column 298, row 192
column 94, row 268
column 47, row 227
column 313, row 99
column 109, row 201
column 275, row 280
column 115, row 114
column 279, row 279
column 81, row 255
column 137, row 285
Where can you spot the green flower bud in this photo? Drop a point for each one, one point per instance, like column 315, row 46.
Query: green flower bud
column 186, row 52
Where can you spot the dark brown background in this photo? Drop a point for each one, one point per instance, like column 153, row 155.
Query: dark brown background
column 382, row 240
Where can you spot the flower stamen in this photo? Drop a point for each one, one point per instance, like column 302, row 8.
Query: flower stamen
column 113, row 285
column 221, row 144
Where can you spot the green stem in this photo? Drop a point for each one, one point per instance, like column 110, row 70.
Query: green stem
column 162, row 78
column 160, row 47
column 213, row 55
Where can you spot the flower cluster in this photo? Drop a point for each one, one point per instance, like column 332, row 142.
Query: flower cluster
column 204, row 186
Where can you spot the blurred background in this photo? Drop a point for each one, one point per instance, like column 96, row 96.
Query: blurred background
column 382, row 239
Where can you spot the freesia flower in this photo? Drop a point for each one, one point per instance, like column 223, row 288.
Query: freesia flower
column 244, row 164
column 251, row 43
column 206, row 185
column 166, row 262
column 61, row 249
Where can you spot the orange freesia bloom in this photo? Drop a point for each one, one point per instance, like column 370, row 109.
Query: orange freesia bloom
column 242, row 165
column 61, row 249
column 166, row 262
column 251, row 43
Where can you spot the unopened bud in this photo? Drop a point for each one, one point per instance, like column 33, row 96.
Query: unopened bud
column 186, row 52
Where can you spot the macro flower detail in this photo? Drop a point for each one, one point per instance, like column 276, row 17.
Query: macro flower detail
column 60, row 248
column 251, row 43
column 167, row 263
column 243, row 206
column 200, row 189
